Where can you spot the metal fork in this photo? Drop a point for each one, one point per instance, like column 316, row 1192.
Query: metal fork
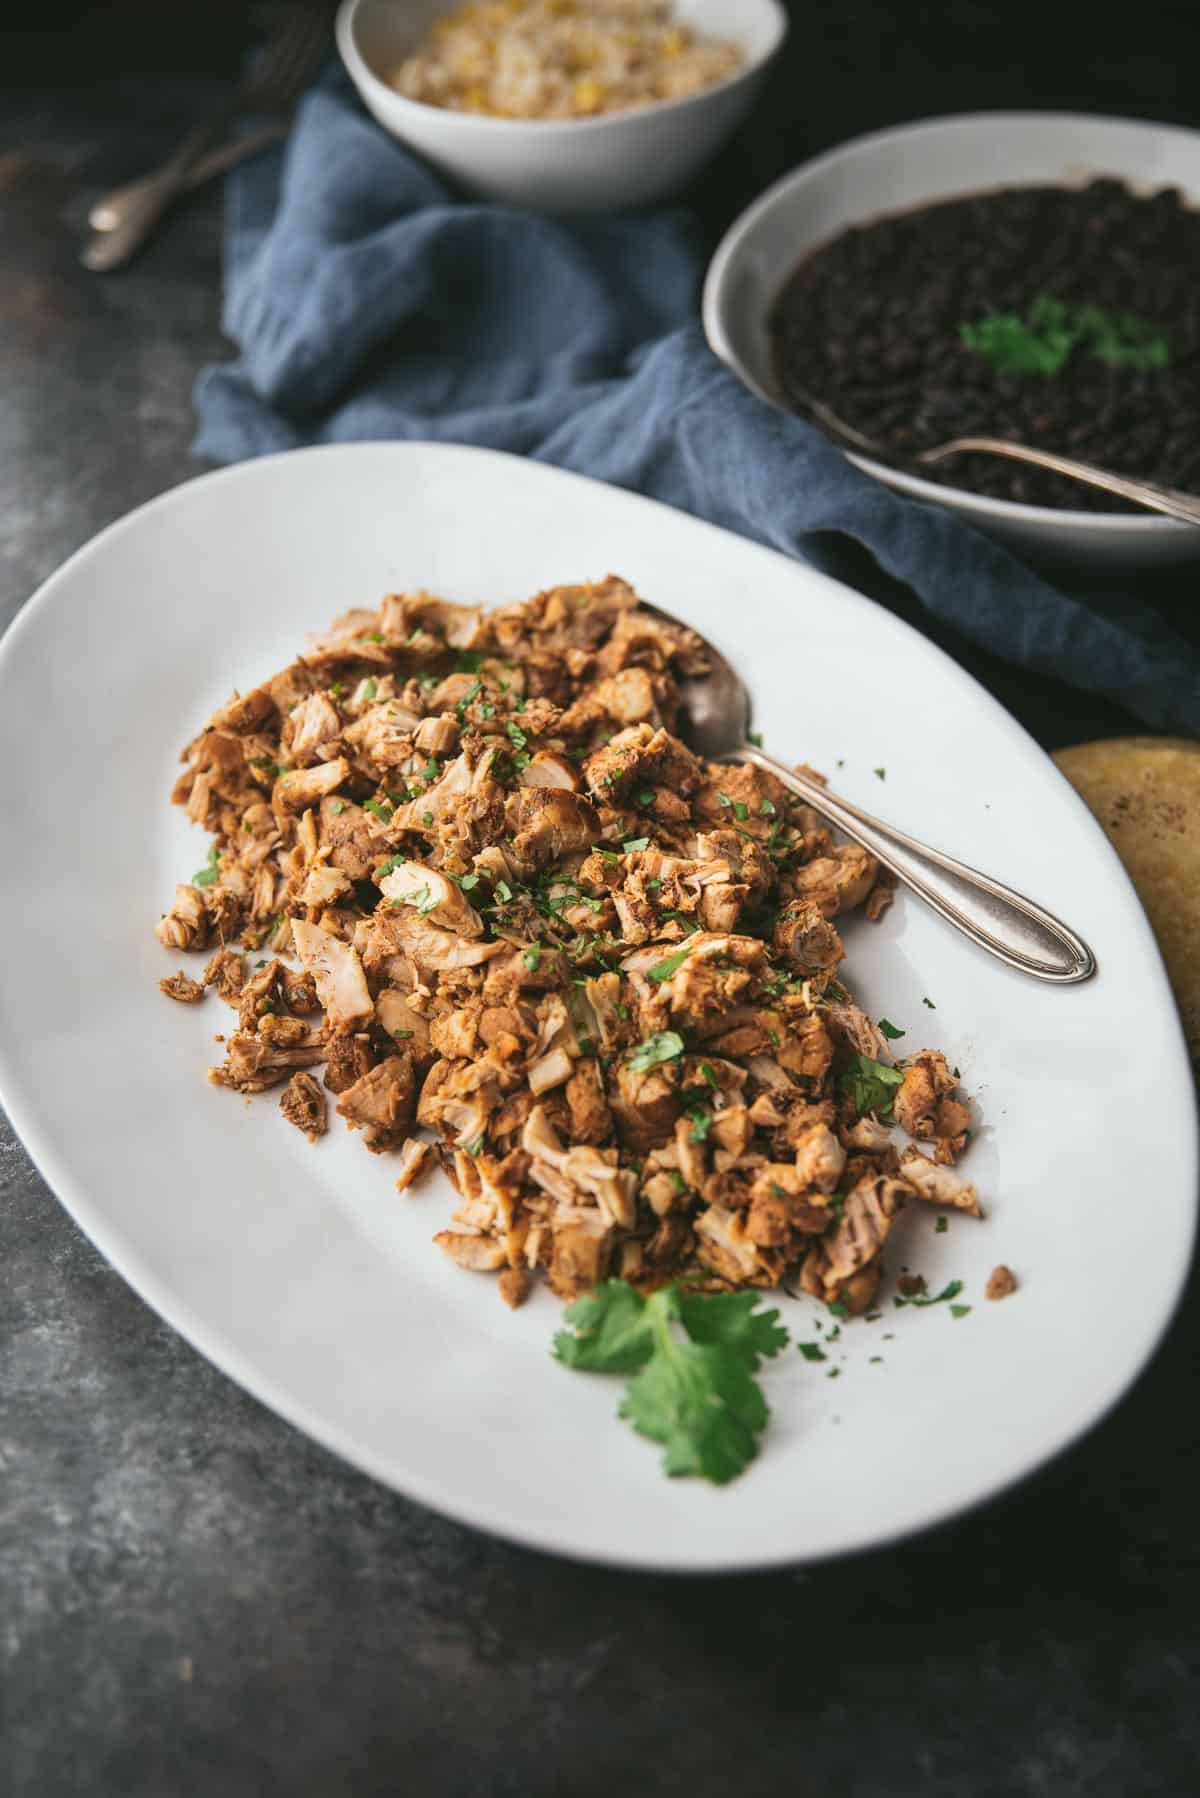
column 124, row 219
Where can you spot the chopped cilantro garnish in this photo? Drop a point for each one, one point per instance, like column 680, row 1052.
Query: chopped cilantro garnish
column 393, row 861
column 645, row 797
column 460, row 709
column 503, row 892
column 930, row 1004
column 631, row 845
column 941, row 1227
column 681, row 917
column 767, row 809
column 664, row 1045
column 741, row 810
column 338, row 807
column 812, row 1351
column 337, row 689
column 836, row 1308
column 960, row 1310
column 890, row 1031
column 427, row 820
column 473, row 1148
column 369, row 688
column 421, row 900
column 950, row 1291
column 654, row 886
column 533, row 957
column 755, row 737
column 880, row 773
column 870, row 1084
column 470, row 661
column 402, row 1036
column 701, row 1122
column 663, row 970
column 380, row 809
column 707, row 1074
column 516, row 735
column 725, row 800
column 431, row 770
column 211, row 872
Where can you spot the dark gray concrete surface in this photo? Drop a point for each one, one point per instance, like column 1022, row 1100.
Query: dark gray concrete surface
column 196, row 1600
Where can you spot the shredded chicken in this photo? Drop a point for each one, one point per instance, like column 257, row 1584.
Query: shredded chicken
column 599, row 971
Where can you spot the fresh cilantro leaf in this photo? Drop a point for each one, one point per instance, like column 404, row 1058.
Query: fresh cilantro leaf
column 701, row 1122
column 460, row 710
column 503, row 892
column 812, row 1351
column 393, row 861
column 338, row 807
column 664, row 1045
column 950, row 1291
column 380, row 809
column 470, row 661
column 941, row 1227
column 211, row 872
column 930, row 1004
column 732, row 1320
column 755, row 737
column 469, row 882
column 631, row 845
column 767, row 809
column 693, row 1359
column 707, row 1074
column 402, row 1036
column 681, row 917
column 870, row 1084
column 533, row 957
column 890, row 1031
column 369, row 688
column 836, row 1308
column 516, row 735
column 473, row 1148
column 645, row 797
column 960, row 1310
column 663, row 970
column 611, row 1332
column 880, row 773
column 337, row 689
column 421, row 900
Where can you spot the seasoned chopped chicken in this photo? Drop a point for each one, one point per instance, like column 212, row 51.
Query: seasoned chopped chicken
column 597, row 969
column 303, row 1103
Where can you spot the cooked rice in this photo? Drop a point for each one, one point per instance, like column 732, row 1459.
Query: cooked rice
column 561, row 59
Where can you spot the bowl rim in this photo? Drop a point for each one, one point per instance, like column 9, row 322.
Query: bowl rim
column 1017, row 512
column 364, row 75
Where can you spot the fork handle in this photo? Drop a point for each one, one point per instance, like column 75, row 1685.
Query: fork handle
column 113, row 248
column 108, row 213
column 1001, row 921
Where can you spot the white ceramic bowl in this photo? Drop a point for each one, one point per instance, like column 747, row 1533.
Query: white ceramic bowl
column 561, row 165
column 913, row 166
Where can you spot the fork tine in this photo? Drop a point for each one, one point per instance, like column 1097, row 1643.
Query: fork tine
column 287, row 61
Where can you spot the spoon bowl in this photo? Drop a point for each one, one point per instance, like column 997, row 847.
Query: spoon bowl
column 1006, row 924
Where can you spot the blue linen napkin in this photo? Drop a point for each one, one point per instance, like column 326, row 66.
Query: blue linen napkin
column 369, row 302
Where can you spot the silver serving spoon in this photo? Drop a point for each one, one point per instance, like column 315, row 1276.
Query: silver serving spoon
column 1168, row 500
column 1004, row 923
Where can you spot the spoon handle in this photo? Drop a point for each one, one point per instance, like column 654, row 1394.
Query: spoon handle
column 999, row 920
column 1168, row 500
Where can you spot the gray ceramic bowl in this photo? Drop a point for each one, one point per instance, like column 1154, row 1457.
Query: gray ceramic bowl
column 913, row 166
